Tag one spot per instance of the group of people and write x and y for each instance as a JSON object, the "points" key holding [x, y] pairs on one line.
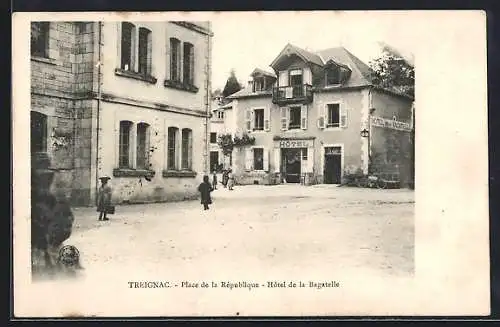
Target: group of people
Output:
{"points": [[206, 187]]}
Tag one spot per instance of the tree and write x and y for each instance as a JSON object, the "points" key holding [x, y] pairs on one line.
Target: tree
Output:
{"points": [[226, 143], [394, 72], [232, 85]]}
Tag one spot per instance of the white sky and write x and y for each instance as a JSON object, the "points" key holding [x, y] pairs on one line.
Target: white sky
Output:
{"points": [[244, 41]]}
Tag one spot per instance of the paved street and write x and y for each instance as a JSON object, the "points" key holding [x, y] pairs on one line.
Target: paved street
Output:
{"points": [[276, 229]]}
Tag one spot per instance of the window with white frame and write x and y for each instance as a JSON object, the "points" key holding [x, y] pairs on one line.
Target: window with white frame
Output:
{"points": [[187, 149], [333, 115], [258, 84], [258, 158], [172, 148], [124, 144], [258, 119], [142, 154], [220, 114], [145, 51], [175, 59], [40, 39]]}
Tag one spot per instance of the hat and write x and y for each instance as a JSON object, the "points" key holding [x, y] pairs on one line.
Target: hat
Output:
{"points": [[105, 178]]}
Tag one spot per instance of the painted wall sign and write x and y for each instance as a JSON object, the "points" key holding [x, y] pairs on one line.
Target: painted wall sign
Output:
{"points": [[295, 144], [329, 151], [391, 123]]}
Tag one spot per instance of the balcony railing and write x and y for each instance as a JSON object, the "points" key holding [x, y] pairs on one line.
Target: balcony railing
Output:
{"points": [[292, 94]]}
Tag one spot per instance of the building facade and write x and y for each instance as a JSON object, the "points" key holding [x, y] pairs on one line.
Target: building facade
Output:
{"points": [[130, 100], [319, 118], [222, 122]]}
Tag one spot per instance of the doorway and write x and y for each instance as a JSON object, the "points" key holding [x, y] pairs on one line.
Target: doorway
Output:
{"points": [[333, 166], [291, 164], [214, 160]]}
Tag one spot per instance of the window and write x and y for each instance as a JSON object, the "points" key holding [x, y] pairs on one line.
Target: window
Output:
{"points": [[175, 59], [186, 148], [127, 46], [213, 137], [220, 114], [333, 115], [295, 116], [40, 39], [38, 132], [258, 159], [258, 84], [145, 49], [142, 146], [171, 148], [124, 144], [188, 64], [332, 75], [258, 120]]}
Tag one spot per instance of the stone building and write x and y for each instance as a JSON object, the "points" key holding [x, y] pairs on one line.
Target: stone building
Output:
{"points": [[221, 122], [319, 118], [126, 99]]}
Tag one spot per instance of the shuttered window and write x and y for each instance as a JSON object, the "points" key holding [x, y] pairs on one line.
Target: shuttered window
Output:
{"points": [[145, 51], [187, 147], [175, 59], [142, 146], [127, 46], [172, 148], [124, 144]]}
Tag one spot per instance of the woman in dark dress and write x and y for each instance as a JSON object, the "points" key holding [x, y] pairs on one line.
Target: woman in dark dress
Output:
{"points": [[104, 198], [205, 189]]}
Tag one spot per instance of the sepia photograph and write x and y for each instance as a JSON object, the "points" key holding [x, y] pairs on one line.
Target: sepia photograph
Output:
{"points": [[265, 158]]}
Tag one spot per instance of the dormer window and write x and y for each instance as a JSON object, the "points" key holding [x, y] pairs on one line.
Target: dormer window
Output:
{"points": [[259, 84], [332, 75]]}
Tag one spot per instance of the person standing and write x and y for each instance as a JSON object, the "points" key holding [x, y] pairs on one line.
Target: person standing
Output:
{"points": [[104, 198], [205, 189], [214, 180], [230, 180], [224, 178]]}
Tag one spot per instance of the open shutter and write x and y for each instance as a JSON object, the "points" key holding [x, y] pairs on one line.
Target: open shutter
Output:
{"points": [[248, 159], [322, 116], [252, 120], [266, 159], [307, 76], [277, 161], [284, 118], [267, 119], [248, 120], [283, 78], [303, 117], [310, 160], [343, 117]]}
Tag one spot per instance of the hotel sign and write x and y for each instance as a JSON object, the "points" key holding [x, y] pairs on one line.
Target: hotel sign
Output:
{"points": [[295, 144], [391, 123]]}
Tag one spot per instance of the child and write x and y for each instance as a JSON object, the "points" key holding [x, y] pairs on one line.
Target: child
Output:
{"points": [[230, 180], [214, 180], [205, 188]]}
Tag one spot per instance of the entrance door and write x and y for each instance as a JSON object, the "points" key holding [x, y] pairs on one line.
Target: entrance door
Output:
{"points": [[333, 168], [291, 164], [214, 159]]}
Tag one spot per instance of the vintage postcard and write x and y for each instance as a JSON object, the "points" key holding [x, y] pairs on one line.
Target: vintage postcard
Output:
{"points": [[250, 164]]}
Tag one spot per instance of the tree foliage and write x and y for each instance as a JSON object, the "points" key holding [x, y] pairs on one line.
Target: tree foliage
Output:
{"points": [[226, 143], [392, 71], [232, 85]]}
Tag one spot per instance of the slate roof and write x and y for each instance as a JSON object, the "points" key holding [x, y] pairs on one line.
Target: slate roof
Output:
{"points": [[262, 72], [360, 75]]}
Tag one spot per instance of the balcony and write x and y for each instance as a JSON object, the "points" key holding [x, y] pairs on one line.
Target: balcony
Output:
{"points": [[292, 94]]}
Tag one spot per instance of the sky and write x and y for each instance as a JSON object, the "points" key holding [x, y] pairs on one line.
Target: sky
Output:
{"points": [[244, 41]]}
